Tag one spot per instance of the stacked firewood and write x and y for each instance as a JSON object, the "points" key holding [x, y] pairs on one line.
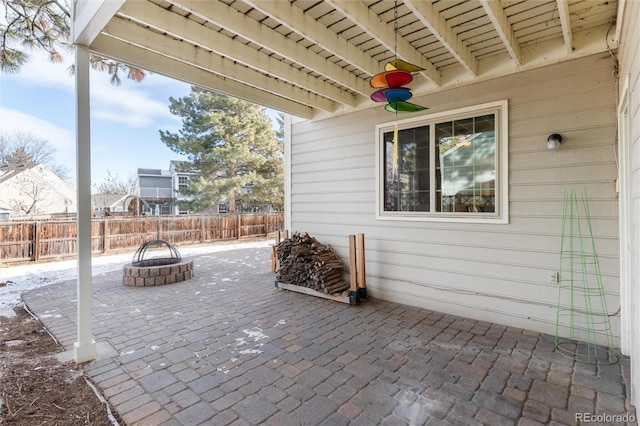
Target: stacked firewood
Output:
{"points": [[305, 262]]}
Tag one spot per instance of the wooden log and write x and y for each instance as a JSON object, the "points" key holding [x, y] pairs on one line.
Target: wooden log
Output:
{"points": [[333, 281], [335, 290], [332, 288]]}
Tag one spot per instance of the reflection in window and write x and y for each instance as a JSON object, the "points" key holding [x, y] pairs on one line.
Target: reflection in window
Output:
{"points": [[407, 181], [466, 165]]}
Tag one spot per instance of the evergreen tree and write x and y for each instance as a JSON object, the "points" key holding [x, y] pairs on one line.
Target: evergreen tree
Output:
{"points": [[232, 147]]}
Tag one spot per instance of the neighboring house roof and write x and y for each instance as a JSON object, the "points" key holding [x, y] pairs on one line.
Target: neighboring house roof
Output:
{"points": [[7, 171], [154, 172], [177, 167], [19, 184], [157, 172], [110, 201]]}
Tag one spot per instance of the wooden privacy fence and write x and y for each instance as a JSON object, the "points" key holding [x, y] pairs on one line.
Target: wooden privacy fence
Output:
{"points": [[36, 240]]}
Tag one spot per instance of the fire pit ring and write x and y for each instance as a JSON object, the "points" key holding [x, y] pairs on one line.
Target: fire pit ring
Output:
{"points": [[170, 253], [167, 267]]}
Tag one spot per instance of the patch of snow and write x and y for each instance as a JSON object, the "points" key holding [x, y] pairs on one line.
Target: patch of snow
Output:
{"points": [[256, 334], [250, 351], [51, 316]]}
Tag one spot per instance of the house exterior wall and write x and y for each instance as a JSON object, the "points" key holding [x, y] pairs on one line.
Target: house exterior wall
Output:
{"points": [[155, 186], [629, 57], [37, 185], [488, 271]]}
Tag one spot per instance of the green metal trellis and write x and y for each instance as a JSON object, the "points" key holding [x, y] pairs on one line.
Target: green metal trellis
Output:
{"points": [[582, 316]]}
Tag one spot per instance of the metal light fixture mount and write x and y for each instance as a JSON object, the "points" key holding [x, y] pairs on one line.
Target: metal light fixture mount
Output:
{"points": [[553, 141]]}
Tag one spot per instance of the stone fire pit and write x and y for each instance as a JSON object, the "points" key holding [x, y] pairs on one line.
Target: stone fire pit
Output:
{"points": [[156, 262]]}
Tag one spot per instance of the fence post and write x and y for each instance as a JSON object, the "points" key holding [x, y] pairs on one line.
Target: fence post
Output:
{"points": [[159, 230], [105, 236], [239, 217], [202, 229], [36, 241]]}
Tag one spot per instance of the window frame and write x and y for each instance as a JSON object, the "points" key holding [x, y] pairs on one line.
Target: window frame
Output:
{"points": [[501, 214], [184, 185]]}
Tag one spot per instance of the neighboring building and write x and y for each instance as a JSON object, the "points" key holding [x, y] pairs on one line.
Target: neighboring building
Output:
{"points": [[5, 213], [105, 204], [160, 189], [180, 181], [155, 188], [34, 191]]}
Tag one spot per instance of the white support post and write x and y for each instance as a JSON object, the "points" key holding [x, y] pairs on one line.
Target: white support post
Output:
{"points": [[85, 347], [287, 171]]}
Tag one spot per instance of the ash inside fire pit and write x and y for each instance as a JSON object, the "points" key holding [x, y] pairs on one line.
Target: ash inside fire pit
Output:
{"points": [[156, 253]]}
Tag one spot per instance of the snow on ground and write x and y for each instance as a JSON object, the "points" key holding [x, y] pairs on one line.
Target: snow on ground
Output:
{"points": [[15, 280]]}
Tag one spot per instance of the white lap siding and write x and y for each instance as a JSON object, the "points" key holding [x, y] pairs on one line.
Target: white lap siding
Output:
{"points": [[492, 272]]}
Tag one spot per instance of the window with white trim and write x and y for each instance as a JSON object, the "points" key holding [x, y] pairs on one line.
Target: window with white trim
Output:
{"points": [[183, 182], [445, 167]]}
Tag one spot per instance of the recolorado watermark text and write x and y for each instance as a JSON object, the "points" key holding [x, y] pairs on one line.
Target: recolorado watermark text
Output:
{"points": [[624, 418]]}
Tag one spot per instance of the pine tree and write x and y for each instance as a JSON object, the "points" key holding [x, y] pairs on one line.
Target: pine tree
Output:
{"points": [[29, 25], [232, 147]]}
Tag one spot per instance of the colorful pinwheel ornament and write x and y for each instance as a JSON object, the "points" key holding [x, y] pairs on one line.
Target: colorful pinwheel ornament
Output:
{"points": [[390, 84]]}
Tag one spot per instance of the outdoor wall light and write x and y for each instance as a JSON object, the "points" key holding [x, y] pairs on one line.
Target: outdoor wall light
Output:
{"points": [[554, 141]]}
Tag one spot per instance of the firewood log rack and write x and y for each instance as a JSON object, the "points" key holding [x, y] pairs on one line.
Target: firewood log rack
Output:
{"points": [[357, 291]]}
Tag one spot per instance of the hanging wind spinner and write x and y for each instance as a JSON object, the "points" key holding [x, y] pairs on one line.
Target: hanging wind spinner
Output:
{"points": [[396, 74], [390, 84]]}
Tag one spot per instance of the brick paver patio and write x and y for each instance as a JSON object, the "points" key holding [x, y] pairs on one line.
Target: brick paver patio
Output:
{"points": [[226, 347]]}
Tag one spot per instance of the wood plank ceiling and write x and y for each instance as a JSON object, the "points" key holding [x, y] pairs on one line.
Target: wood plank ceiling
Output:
{"points": [[314, 58]]}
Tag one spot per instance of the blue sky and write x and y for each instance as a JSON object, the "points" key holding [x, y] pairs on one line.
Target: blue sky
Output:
{"points": [[125, 119]]}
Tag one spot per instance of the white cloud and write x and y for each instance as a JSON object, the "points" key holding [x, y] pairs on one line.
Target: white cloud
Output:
{"points": [[131, 104], [13, 121], [40, 72], [123, 104]]}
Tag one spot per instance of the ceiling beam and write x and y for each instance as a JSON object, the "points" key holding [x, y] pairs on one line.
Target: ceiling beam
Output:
{"points": [[154, 62], [188, 53], [238, 23], [369, 22], [429, 16], [295, 19], [565, 22], [180, 27], [90, 17], [497, 15]]}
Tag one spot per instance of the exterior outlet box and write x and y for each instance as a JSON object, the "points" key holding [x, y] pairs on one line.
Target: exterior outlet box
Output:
{"points": [[553, 277]]}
